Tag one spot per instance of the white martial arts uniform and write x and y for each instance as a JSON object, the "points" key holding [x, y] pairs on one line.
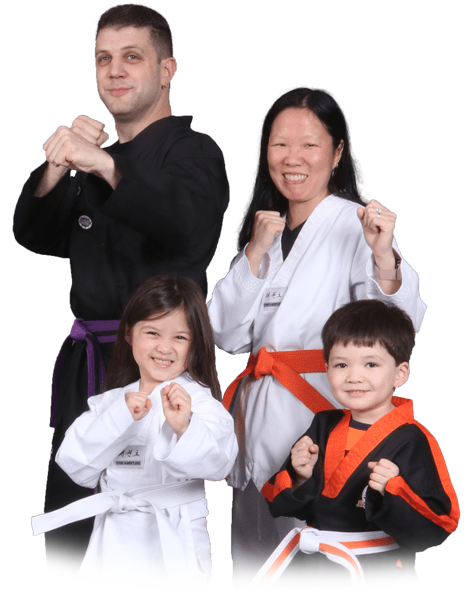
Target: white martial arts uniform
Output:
{"points": [[106, 445], [285, 308]]}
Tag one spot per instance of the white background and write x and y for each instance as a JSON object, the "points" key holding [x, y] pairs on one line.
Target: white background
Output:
{"points": [[22, 556]]}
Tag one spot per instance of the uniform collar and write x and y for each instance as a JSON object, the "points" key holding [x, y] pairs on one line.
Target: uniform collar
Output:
{"points": [[338, 466], [161, 127]]}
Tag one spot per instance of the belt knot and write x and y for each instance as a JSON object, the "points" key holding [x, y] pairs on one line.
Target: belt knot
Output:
{"points": [[125, 504], [264, 364], [309, 543]]}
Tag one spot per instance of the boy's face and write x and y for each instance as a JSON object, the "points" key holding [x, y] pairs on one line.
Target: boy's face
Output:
{"points": [[363, 379]]}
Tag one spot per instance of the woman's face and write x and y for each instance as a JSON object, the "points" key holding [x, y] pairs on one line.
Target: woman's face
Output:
{"points": [[301, 158]]}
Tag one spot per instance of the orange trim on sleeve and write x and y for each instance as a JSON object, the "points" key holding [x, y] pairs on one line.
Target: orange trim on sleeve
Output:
{"points": [[443, 473], [281, 483], [397, 486]]}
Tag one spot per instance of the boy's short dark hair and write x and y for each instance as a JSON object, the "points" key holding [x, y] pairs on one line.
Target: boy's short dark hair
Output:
{"points": [[367, 322], [135, 15]]}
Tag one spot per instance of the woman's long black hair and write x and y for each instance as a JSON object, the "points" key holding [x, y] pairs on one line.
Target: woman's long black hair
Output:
{"points": [[343, 182], [157, 297]]}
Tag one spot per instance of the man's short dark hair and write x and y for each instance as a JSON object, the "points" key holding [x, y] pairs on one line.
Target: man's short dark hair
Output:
{"points": [[369, 322], [135, 15]]}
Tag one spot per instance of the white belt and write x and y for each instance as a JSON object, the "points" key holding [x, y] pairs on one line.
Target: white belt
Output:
{"points": [[339, 547], [153, 499]]}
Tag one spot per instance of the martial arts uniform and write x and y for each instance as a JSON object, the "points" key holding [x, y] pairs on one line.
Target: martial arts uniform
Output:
{"points": [[284, 309], [164, 217], [419, 508], [106, 445]]}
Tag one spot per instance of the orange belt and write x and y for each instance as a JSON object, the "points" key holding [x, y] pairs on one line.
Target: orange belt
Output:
{"points": [[285, 366]]}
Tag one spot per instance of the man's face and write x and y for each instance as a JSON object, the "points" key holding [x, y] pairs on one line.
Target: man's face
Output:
{"points": [[129, 77]]}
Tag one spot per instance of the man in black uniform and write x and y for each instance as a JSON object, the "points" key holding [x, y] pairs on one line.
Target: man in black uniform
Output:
{"points": [[152, 203]]}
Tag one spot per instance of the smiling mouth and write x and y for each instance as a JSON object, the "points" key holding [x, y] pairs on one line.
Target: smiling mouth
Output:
{"points": [[295, 178], [162, 362]]}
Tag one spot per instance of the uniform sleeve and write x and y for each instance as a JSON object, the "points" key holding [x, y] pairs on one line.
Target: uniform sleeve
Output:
{"points": [[277, 491], [206, 450], [42, 225], [235, 304], [406, 298], [419, 508], [282, 501], [96, 438], [187, 193]]}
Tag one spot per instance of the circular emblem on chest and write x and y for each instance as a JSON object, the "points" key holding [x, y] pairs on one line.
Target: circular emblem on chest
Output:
{"points": [[85, 222]]}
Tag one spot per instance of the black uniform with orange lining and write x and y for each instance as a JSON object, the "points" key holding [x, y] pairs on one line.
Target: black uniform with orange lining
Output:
{"points": [[419, 508]]}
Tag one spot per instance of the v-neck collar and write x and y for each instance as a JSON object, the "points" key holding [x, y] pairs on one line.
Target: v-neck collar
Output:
{"points": [[316, 219], [338, 466]]}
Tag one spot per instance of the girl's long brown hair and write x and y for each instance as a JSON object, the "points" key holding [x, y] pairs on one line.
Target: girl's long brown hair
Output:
{"points": [[157, 297]]}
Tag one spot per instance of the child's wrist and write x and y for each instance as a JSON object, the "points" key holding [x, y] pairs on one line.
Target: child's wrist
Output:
{"points": [[298, 481], [183, 430]]}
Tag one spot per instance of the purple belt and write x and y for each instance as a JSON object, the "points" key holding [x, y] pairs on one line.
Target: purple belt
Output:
{"points": [[93, 332]]}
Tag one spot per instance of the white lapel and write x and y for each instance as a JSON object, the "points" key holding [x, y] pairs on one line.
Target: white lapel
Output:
{"points": [[308, 232]]}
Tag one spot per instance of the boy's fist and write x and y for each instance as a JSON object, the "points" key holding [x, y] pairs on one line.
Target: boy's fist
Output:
{"points": [[382, 471], [304, 456]]}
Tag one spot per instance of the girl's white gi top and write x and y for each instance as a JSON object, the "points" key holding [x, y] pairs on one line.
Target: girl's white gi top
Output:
{"points": [[285, 308], [97, 448]]}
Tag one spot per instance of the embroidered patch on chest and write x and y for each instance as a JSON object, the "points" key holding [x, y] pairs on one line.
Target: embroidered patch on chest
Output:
{"points": [[361, 502], [273, 298], [131, 457]]}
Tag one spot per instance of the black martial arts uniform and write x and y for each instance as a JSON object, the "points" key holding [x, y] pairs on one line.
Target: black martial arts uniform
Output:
{"points": [[164, 217], [419, 508]]}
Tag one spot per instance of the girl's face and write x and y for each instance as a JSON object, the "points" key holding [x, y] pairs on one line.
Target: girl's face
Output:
{"points": [[160, 348]]}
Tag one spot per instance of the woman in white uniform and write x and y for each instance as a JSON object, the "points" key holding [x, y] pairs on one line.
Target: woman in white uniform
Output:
{"points": [[307, 246]]}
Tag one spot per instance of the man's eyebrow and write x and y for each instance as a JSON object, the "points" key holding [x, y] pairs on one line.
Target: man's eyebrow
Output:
{"points": [[98, 51]]}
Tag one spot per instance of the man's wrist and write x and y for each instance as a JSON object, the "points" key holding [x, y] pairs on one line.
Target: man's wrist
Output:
{"points": [[51, 176], [108, 170]]}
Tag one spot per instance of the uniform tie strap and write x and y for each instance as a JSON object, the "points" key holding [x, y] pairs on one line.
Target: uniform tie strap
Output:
{"points": [[286, 366], [154, 499], [339, 547], [93, 333]]}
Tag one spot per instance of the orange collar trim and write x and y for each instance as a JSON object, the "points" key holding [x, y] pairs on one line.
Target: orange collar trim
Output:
{"points": [[338, 466]]}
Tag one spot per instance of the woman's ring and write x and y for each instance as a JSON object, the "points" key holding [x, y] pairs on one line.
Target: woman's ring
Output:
{"points": [[378, 211]]}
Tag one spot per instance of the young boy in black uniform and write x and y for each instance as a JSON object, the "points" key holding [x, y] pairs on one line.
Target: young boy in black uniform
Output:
{"points": [[370, 479]]}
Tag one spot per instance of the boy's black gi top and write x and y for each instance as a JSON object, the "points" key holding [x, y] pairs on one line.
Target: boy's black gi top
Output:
{"points": [[419, 508]]}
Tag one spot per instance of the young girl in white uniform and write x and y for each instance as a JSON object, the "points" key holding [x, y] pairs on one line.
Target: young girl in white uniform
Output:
{"points": [[150, 440]]}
